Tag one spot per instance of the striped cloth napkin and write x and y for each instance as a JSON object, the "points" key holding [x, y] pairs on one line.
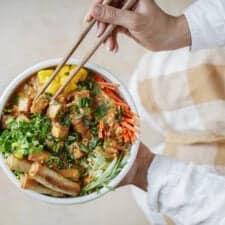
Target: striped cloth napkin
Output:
{"points": [[181, 95]]}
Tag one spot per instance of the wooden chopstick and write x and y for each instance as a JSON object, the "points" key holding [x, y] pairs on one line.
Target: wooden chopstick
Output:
{"points": [[109, 30], [70, 53]]}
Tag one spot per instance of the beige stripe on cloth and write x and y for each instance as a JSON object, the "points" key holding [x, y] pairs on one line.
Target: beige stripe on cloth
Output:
{"points": [[194, 139], [185, 94], [165, 92], [145, 92], [206, 83], [197, 85], [168, 220], [181, 95]]}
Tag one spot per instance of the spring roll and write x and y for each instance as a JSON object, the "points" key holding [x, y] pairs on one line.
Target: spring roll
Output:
{"points": [[18, 164], [72, 173], [53, 180], [29, 183], [39, 157]]}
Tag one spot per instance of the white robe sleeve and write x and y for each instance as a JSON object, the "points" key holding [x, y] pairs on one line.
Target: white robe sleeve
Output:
{"points": [[206, 19], [185, 191]]}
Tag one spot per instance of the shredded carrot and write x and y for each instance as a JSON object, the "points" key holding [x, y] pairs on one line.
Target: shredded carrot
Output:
{"points": [[128, 114], [132, 121], [128, 126], [101, 128], [124, 105], [107, 84], [99, 78], [126, 138]]}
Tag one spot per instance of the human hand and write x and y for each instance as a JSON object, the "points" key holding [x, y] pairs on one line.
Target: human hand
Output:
{"points": [[139, 172], [147, 24]]}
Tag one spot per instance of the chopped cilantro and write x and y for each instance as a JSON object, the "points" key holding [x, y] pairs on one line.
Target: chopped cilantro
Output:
{"points": [[91, 85], [48, 95], [119, 114], [66, 121], [85, 102], [84, 148], [94, 142], [25, 137], [101, 111]]}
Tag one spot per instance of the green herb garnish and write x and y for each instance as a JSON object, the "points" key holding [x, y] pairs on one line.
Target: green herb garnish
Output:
{"points": [[94, 142], [66, 121], [91, 85], [25, 137], [101, 111], [85, 102], [84, 148]]}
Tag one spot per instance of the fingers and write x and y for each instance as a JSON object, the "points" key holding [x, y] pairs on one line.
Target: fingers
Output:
{"points": [[109, 14], [101, 27], [88, 16], [112, 42]]}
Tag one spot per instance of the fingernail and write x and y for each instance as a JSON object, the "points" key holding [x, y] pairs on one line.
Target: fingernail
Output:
{"points": [[97, 10], [108, 49], [98, 32], [87, 18], [115, 50]]}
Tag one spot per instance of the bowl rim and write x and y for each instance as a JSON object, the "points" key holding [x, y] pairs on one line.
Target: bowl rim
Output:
{"points": [[134, 149]]}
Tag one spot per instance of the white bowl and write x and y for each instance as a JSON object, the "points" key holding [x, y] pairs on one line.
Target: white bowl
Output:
{"points": [[124, 93]]}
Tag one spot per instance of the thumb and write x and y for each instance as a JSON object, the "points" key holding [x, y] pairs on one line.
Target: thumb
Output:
{"points": [[109, 14]]}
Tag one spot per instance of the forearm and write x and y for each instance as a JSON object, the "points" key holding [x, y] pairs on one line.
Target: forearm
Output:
{"points": [[167, 32], [180, 35], [138, 174], [140, 179]]}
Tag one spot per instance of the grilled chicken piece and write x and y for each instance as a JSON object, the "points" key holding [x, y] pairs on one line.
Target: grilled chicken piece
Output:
{"points": [[40, 105], [77, 154], [75, 150], [78, 94], [54, 109], [24, 105], [59, 131], [79, 126]]}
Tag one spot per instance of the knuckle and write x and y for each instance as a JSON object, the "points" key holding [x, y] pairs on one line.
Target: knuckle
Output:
{"points": [[110, 13], [136, 23], [102, 13]]}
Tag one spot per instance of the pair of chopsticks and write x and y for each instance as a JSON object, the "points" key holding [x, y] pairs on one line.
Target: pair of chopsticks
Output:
{"points": [[128, 5]]}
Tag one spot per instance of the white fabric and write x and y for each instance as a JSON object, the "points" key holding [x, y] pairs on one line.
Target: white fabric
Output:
{"points": [[206, 19], [188, 194]]}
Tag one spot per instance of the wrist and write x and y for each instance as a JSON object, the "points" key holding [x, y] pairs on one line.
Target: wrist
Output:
{"points": [[179, 33], [143, 162], [139, 171]]}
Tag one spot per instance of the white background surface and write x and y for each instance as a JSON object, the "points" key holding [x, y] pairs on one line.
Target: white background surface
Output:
{"points": [[36, 30]]}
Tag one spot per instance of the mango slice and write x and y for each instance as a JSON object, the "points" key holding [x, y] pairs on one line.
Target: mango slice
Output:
{"points": [[44, 75]]}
